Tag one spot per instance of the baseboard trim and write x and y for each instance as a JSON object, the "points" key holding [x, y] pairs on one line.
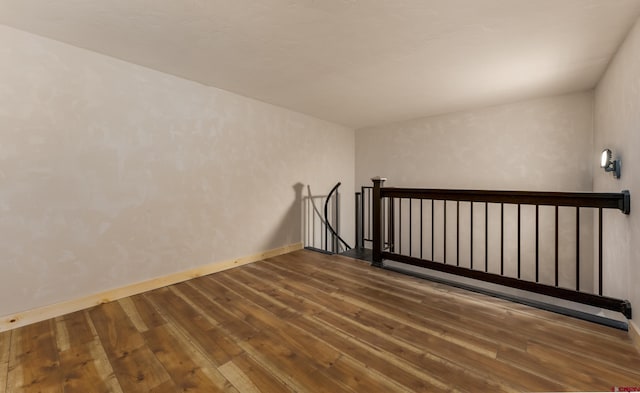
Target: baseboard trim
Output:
{"points": [[55, 310], [634, 333]]}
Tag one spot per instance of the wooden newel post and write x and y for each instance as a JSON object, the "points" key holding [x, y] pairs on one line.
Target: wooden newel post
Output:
{"points": [[377, 220]]}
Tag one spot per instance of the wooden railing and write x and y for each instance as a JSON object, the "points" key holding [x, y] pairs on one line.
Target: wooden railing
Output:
{"points": [[477, 231]]}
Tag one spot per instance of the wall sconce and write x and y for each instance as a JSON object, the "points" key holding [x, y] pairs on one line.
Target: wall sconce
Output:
{"points": [[609, 164]]}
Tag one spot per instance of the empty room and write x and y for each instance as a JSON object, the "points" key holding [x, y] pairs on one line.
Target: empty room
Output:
{"points": [[319, 196]]}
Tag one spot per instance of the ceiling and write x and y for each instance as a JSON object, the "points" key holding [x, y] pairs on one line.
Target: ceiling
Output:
{"points": [[353, 62]]}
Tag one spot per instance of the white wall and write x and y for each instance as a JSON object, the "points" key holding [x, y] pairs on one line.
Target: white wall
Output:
{"points": [[111, 173], [543, 145], [617, 127]]}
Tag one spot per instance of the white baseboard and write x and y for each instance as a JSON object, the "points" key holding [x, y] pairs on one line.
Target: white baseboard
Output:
{"points": [[55, 310], [634, 332]]}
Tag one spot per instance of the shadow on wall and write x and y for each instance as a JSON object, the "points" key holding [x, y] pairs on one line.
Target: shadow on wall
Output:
{"points": [[304, 221], [316, 233], [288, 231]]}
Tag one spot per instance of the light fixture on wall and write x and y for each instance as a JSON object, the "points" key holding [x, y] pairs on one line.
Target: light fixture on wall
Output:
{"points": [[609, 164]]}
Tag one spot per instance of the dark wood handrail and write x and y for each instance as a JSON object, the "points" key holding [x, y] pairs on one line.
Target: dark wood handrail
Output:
{"points": [[577, 200], [605, 200]]}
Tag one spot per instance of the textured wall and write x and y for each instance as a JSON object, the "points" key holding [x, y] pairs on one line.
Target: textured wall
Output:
{"points": [[543, 145], [111, 173], [534, 145], [617, 127]]}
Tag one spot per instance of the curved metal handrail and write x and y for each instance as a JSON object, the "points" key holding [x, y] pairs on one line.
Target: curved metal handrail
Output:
{"points": [[326, 218]]}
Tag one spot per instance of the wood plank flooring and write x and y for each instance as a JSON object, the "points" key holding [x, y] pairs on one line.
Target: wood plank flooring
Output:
{"points": [[308, 322]]}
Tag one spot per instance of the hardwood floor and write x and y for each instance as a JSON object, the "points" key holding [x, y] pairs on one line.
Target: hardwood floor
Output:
{"points": [[307, 322]]}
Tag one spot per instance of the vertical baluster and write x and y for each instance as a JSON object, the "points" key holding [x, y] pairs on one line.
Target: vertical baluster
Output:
{"points": [[362, 236], [471, 238], [313, 226], [329, 219], [432, 228], [444, 256], [518, 240], [457, 233], [421, 222], [370, 202], [537, 243], [385, 224], [377, 222], [501, 239], [326, 237], [392, 225], [337, 221], [357, 223], [329, 239], [399, 225], [577, 248], [486, 236], [410, 226], [384, 217], [307, 242], [327, 233], [600, 251], [556, 256], [385, 228], [320, 229]]}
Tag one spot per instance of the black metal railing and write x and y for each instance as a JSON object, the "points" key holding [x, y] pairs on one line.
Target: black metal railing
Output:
{"points": [[363, 217], [338, 241], [542, 242], [322, 228]]}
